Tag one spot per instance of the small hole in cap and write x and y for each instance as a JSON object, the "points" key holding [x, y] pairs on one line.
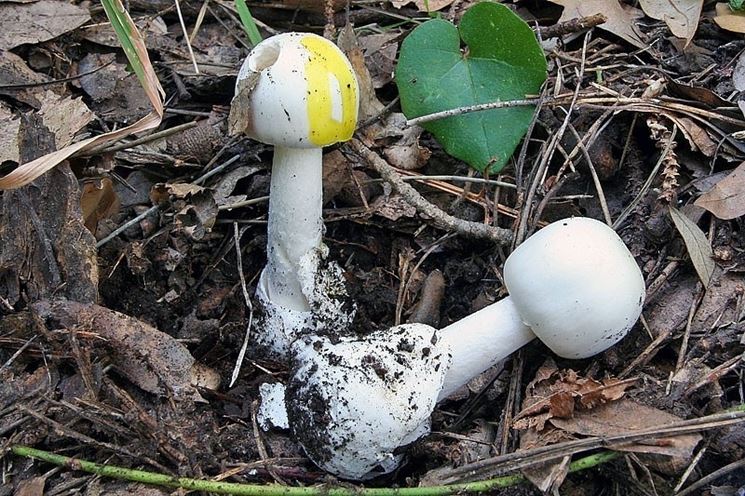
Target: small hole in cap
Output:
{"points": [[263, 56]]}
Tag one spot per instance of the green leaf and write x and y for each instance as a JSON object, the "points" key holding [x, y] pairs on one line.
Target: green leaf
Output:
{"points": [[698, 246], [249, 25], [736, 5], [502, 61]]}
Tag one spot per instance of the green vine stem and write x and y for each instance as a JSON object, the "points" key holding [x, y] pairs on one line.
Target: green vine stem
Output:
{"points": [[277, 490]]}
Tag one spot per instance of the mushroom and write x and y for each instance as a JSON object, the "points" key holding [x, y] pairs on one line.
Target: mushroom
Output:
{"points": [[573, 284], [298, 92], [353, 403]]}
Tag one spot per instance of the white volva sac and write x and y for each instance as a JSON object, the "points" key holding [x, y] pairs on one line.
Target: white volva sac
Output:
{"points": [[352, 404], [297, 91]]}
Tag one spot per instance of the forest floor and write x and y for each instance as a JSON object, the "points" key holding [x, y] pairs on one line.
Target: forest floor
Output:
{"points": [[637, 127]]}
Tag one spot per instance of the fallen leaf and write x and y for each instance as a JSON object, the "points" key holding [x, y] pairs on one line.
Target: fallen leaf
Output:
{"points": [[9, 127], [560, 393], [17, 79], [31, 487], [370, 106], [626, 416], [552, 394], [718, 303], [380, 52], [697, 93], [698, 246], [728, 19], [139, 60], [621, 20], [98, 201], [681, 16], [38, 21], [64, 116], [696, 135], [153, 360], [393, 207], [726, 200], [738, 74]]}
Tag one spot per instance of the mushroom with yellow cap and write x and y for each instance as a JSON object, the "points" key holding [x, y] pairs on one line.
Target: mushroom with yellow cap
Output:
{"points": [[298, 92]]}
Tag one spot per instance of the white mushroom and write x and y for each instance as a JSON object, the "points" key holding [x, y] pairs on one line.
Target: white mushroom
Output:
{"points": [[352, 404], [298, 92], [573, 284]]}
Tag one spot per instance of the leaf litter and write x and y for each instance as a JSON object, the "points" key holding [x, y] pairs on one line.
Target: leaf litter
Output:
{"points": [[100, 340]]}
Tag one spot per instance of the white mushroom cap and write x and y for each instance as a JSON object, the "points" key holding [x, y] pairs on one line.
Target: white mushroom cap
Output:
{"points": [[353, 403], [576, 285], [297, 90]]}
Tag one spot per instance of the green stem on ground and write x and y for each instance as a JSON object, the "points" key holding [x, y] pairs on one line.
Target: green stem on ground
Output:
{"points": [[277, 490]]}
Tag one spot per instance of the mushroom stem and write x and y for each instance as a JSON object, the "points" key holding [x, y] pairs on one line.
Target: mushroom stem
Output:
{"points": [[480, 341], [295, 224]]}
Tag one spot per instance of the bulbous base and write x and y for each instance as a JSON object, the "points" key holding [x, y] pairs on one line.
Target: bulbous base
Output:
{"points": [[331, 310]]}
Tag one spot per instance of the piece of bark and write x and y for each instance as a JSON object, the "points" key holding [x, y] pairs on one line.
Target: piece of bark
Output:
{"points": [[45, 249], [151, 359]]}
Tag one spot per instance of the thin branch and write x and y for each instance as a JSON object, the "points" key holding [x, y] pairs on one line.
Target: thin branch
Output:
{"points": [[441, 219]]}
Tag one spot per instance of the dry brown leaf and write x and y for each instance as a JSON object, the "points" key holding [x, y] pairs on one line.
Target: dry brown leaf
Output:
{"points": [[38, 21], [726, 200], [621, 20], [738, 74], [681, 16], [27, 172], [727, 19], [697, 245], [696, 135], [423, 5], [15, 78], [9, 127], [153, 360], [64, 116], [380, 55], [626, 416], [559, 393], [31, 487], [98, 200], [393, 207], [370, 106]]}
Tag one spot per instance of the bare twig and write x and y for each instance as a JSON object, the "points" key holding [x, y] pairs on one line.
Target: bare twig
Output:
{"points": [[740, 464], [441, 219], [247, 299], [571, 26]]}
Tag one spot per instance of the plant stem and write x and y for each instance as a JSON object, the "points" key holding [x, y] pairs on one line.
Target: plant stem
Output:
{"points": [[278, 490]]}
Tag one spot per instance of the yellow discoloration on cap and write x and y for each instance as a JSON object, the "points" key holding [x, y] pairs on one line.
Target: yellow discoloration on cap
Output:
{"points": [[327, 64]]}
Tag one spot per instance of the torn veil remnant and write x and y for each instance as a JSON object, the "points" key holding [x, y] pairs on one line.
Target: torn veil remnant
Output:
{"points": [[297, 91], [353, 403]]}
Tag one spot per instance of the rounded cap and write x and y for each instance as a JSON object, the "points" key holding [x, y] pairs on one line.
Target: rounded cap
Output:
{"points": [[353, 403], [296, 90], [576, 285]]}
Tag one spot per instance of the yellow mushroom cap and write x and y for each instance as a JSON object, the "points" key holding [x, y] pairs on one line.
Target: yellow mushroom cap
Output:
{"points": [[296, 90]]}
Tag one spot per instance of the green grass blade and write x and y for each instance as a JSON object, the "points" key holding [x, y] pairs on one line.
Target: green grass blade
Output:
{"points": [[248, 22], [116, 15]]}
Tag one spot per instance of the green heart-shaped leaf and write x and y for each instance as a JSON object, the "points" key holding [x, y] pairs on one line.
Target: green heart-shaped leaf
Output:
{"points": [[502, 61]]}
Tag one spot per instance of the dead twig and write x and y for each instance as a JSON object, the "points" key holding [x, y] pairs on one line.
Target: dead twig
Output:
{"points": [[571, 26], [527, 458], [413, 197]]}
